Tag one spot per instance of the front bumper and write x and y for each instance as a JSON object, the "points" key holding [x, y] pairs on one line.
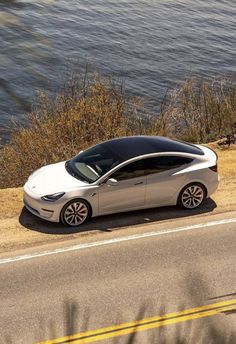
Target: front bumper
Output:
{"points": [[46, 210]]}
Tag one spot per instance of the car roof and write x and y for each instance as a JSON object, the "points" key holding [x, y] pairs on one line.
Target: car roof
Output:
{"points": [[133, 146]]}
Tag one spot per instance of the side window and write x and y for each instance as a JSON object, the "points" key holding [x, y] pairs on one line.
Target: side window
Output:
{"points": [[133, 170], [164, 163]]}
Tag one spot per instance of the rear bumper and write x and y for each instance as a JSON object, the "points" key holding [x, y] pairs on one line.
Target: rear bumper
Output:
{"points": [[213, 185]]}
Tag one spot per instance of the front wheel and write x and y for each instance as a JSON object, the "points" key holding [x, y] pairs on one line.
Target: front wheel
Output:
{"points": [[75, 213], [192, 196]]}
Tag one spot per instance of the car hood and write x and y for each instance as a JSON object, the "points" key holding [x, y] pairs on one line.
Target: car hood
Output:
{"points": [[51, 179]]}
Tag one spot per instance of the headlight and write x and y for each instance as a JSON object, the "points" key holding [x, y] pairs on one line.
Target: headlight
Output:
{"points": [[53, 197]]}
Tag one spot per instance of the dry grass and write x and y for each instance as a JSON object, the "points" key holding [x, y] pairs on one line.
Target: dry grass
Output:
{"points": [[225, 197], [227, 161], [10, 202]]}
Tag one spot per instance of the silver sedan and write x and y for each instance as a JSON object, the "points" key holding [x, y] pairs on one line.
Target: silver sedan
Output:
{"points": [[122, 174]]}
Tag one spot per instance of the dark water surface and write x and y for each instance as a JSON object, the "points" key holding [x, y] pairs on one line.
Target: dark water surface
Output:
{"points": [[154, 43]]}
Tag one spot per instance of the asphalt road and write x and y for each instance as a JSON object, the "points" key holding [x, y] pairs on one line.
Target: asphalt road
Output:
{"points": [[123, 276]]}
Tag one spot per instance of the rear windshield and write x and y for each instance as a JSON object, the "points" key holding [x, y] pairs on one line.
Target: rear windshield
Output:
{"points": [[190, 148]]}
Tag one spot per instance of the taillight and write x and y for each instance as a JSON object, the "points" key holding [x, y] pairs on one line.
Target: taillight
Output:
{"points": [[214, 168]]}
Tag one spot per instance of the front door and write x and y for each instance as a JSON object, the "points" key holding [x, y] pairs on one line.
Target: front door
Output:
{"points": [[127, 193]]}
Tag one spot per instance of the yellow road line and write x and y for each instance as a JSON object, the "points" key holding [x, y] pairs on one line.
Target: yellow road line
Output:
{"points": [[146, 324]]}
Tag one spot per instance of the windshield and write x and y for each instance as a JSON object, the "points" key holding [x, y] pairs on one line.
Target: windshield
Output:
{"points": [[93, 163]]}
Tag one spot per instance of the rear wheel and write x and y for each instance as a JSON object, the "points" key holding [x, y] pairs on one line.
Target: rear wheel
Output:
{"points": [[75, 213], [192, 196]]}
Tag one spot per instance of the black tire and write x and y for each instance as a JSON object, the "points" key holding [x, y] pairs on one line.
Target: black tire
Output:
{"points": [[192, 196], [75, 213]]}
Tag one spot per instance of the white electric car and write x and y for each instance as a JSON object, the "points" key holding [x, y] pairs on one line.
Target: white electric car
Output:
{"points": [[122, 174]]}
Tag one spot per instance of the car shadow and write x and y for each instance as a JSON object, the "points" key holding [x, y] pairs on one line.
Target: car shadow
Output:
{"points": [[110, 222]]}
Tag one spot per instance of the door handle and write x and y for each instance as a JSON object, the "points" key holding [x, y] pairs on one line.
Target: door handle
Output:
{"points": [[139, 183]]}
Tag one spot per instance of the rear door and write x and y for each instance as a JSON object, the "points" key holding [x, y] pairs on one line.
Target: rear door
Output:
{"points": [[162, 181]]}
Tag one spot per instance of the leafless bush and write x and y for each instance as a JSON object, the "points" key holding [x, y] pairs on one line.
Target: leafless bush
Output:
{"points": [[89, 109], [201, 110]]}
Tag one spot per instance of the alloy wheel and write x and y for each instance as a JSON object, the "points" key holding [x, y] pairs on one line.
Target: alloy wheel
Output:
{"points": [[75, 213], [192, 196]]}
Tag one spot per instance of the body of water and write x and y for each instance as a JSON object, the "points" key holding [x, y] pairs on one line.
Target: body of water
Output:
{"points": [[153, 43]]}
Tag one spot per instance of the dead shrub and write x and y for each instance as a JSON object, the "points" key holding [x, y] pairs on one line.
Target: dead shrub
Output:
{"points": [[90, 109], [82, 114], [201, 110]]}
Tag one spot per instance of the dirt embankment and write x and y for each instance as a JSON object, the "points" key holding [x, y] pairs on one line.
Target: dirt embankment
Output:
{"points": [[20, 229]]}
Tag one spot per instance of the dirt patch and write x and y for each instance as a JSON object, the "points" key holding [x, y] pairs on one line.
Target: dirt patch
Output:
{"points": [[225, 197], [20, 229]]}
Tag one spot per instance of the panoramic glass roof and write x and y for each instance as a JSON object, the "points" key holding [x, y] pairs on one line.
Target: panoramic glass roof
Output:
{"points": [[132, 146]]}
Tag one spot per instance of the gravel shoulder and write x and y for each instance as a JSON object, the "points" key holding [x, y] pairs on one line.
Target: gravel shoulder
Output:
{"points": [[19, 229]]}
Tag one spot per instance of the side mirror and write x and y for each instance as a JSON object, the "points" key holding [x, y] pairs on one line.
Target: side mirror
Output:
{"points": [[112, 182]]}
